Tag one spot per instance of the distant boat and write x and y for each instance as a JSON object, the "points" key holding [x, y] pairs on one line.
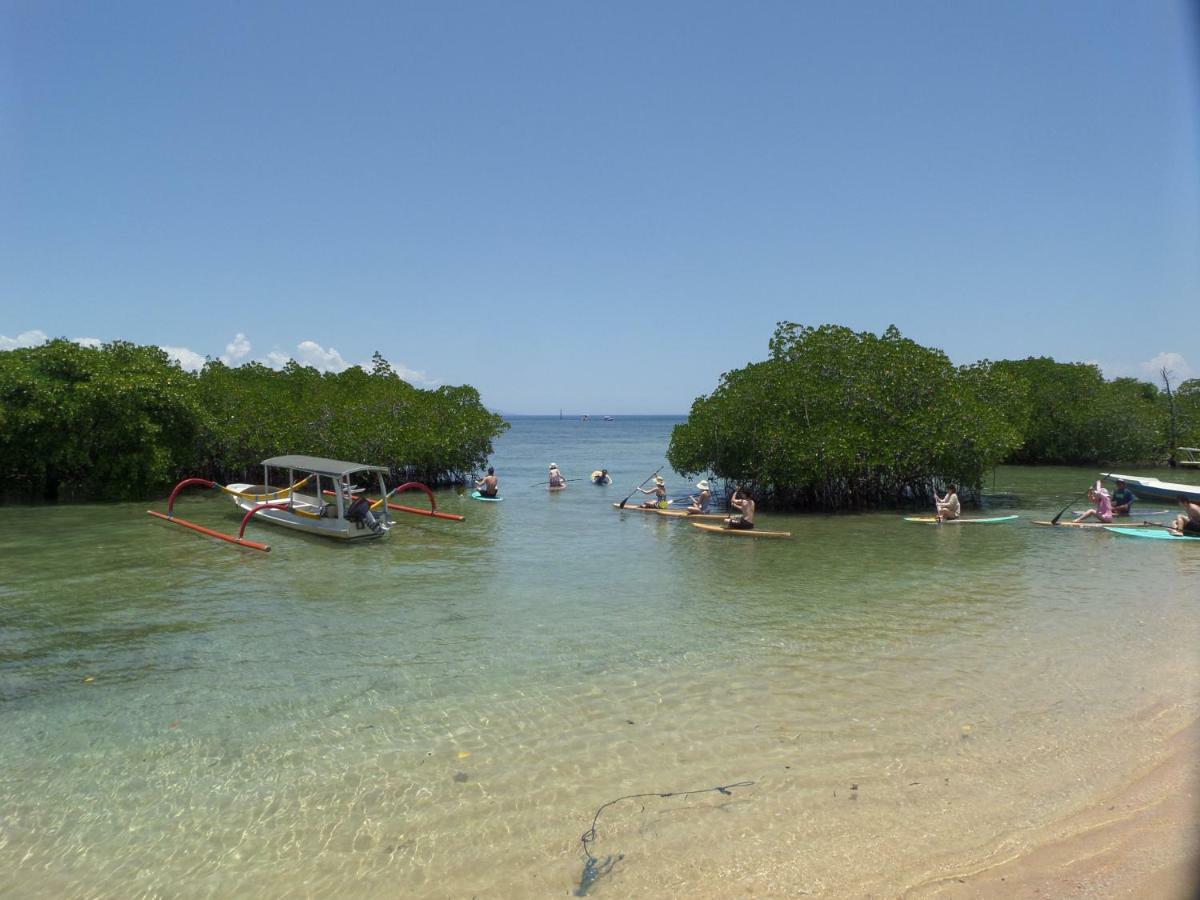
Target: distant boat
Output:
{"points": [[583, 418], [608, 418]]}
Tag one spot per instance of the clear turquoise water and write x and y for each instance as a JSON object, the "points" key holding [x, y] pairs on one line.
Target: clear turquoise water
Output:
{"points": [[441, 713]]}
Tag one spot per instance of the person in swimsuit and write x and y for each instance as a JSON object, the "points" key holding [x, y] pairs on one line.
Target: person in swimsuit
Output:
{"points": [[948, 507], [702, 503], [1187, 522], [744, 504], [556, 478], [489, 484], [1122, 500], [659, 492], [1103, 510]]}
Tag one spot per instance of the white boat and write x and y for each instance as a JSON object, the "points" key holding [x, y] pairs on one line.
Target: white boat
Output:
{"points": [[323, 497], [1146, 488]]}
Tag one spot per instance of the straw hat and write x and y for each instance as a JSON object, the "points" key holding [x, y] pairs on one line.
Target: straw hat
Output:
{"points": [[553, 465], [658, 479], [703, 485]]}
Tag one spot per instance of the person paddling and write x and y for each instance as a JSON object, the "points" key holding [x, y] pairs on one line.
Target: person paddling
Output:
{"points": [[744, 504], [556, 478], [659, 492], [702, 503], [1187, 522], [489, 484], [948, 507], [1103, 510]]}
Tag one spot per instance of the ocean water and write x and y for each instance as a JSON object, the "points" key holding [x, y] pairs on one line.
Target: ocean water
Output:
{"points": [[444, 713]]}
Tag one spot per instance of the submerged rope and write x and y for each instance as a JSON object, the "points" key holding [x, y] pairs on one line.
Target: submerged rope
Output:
{"points": [[595, 868]]}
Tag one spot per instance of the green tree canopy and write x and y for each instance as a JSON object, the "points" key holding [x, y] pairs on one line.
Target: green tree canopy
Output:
{"points": [[837, 419]]}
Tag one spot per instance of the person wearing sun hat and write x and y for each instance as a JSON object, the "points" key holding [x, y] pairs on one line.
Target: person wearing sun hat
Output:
{"points": [[556, 478], [659, 493], [702, 503]]}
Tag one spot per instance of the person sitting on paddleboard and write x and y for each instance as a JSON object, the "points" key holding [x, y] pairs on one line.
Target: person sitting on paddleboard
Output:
{"points": [[1188, 522], [601, 476], [1103, 509], [702, 503], [744, 504], [489, 484], [556, 478], [948, 507], [1122, 500], [660, 494]]}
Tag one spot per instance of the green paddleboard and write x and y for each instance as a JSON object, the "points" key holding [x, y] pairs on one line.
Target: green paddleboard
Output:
{"points": [[1160, 534]]}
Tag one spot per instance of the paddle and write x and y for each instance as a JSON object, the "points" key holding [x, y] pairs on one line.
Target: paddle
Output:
{"points": [[565, 480], [1054, 521], [621, 505]]}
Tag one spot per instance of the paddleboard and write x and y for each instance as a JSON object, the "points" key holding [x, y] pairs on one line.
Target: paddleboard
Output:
{"points": [[675, 513], [1136, 513], [1158, 533], [475, 495], [561, 487], [932, 520], [1072, 524], [747, 532]]}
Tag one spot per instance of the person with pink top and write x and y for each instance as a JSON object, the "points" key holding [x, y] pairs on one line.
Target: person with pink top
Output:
{"points": [[1103, 509]]}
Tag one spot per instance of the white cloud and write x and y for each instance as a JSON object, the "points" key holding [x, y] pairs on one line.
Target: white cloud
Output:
{"points": [[24, 339], [88, 342], [188, 359], [310, 353], [236, 349], [1177, 367]]}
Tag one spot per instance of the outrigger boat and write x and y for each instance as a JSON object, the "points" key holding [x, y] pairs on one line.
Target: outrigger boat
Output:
{"points": [[1146, 488], [326, 497]]}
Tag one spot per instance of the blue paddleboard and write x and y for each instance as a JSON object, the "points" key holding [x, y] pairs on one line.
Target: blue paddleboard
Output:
{"points": [[1159, 533], [475, 495]]}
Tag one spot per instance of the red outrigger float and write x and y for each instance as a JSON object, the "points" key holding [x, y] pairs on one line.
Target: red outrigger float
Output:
{"points": [[326, 497]]}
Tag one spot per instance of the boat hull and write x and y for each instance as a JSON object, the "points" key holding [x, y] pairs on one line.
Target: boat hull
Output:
{"points": [[1147, 488], [312, 523]]}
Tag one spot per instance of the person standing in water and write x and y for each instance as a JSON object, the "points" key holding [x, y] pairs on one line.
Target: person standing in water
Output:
{"points": [[744, 504], [948, 507], [601, 476], [556, 477], [1122, 500], [489, 484]]}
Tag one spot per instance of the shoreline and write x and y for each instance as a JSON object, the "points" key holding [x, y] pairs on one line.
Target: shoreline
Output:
{"points": [[1142, 840]]}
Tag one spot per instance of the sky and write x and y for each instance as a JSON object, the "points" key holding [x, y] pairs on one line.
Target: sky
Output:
{"points": [[601, 208]]}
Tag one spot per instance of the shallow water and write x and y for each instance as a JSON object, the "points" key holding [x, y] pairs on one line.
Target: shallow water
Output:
{"points": [[441, 714]]}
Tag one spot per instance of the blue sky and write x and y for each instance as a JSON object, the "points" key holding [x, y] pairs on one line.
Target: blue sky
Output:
{"points": [[601, 207]]}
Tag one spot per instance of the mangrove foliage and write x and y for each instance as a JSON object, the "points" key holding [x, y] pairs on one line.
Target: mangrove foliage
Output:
{"points": [[125, 421], [836, 419]]}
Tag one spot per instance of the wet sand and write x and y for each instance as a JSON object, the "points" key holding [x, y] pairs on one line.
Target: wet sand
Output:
{"points": [[1143, 841]]}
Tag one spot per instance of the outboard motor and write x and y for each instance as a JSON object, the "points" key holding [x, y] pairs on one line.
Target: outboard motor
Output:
{"points": [[360, 514]]}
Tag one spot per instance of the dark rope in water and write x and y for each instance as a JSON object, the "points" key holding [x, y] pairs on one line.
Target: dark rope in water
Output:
{"points": [[595, 868]]}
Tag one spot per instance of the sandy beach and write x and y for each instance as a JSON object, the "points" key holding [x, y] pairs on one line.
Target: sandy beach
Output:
{"points": [[1142, 841]]}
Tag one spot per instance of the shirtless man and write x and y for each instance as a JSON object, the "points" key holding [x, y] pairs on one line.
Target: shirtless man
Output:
{"points": [[1187, 522], [744, 504], [489, 484]]}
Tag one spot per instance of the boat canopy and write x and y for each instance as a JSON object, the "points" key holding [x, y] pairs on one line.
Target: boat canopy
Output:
{"points": [[321, 466]]}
